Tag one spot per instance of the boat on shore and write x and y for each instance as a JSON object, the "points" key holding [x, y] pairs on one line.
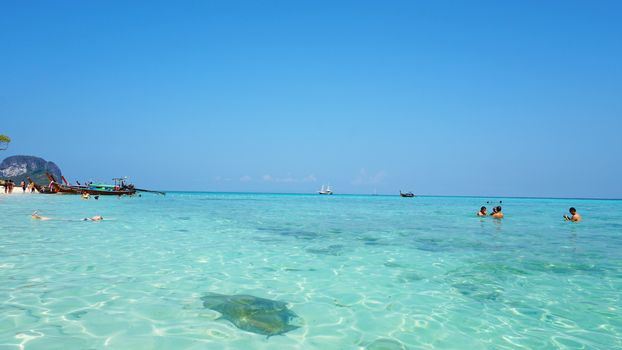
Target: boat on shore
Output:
{"points": [[326, 190], [406, 194], [120, 188]]}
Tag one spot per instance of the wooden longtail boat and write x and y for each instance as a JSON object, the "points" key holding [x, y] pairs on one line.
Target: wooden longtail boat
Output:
{"points": [[120, 188], [41, 189]]}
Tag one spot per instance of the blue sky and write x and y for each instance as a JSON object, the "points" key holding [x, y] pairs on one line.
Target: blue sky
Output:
{"points": [[508, 98]]}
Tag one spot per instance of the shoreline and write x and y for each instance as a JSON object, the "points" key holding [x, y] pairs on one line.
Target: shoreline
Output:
{"points": [[17, 191]]}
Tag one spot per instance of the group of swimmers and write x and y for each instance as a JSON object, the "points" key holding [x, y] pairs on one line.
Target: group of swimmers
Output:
{"points": [[483, 211], [497, 214]]}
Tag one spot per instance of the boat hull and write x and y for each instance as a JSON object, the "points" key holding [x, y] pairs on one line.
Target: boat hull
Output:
{"points": [[93, 192], [110, 193]]}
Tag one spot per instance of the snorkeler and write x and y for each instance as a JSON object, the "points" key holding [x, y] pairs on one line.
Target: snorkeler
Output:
{"points": [[482, 212], [575, 217], [94, 218], [496, 212]]}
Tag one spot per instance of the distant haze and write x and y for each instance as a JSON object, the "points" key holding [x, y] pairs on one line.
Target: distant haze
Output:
{"points": [[507, 98]]}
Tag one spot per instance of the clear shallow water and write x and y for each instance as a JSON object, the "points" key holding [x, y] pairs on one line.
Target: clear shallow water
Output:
{"points": [[421, 273]]}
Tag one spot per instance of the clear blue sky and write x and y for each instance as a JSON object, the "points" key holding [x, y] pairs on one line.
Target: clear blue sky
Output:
{"points": [[438, 97]]}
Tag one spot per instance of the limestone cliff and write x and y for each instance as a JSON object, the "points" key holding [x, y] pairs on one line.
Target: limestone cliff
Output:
{"points": [[17, 168]]}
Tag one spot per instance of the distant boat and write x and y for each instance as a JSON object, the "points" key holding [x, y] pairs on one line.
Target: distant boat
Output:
{"points": [[326, 190], [407, 194]]}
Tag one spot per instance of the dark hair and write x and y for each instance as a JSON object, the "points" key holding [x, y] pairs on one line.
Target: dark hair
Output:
{"points": [[482, 208], [572, 209], [498, 208]]}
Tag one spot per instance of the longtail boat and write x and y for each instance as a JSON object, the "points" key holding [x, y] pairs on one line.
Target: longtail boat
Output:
{"points": [[56, 187], [120, 188], [41, 189]]}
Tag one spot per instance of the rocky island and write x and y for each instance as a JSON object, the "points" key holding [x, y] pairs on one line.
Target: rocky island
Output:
{"points": [[18, 168]]}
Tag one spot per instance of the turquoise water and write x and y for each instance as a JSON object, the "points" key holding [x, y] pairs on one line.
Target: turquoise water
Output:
{"points": [[361, 272]]}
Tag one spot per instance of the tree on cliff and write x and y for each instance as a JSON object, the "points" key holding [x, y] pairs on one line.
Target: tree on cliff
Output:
{"points": [[4, 142]]}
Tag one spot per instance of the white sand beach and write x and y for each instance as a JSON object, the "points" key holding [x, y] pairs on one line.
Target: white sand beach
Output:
{"points": [[17, 191]]}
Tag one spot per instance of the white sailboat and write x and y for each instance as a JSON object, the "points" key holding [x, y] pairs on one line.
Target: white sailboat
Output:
{"points": [[326, 190]]}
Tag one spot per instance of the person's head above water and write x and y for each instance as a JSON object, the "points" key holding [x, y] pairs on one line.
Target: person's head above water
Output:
{"points": [[482, 211], [574, 216], [496, 212]]}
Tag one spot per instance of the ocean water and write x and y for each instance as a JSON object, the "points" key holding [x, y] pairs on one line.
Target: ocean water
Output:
{"points": [[361, 272]]}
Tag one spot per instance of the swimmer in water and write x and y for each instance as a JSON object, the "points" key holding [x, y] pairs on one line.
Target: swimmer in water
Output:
{"points": [[575, 217], [496, 213], [36, 216], [482, 212]]}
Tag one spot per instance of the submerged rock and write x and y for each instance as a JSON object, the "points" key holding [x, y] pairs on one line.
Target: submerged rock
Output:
{"points": [[335, 250], [253, 314], [385, 344]]}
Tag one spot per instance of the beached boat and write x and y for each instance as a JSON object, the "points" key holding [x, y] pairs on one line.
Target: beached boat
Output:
{"points": [[110, 190], [120, 188], [407, 194], [56, 187], [326, 190]]}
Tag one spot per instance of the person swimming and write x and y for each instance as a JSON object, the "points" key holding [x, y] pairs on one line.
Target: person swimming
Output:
{"points": [[482, 212], [496, 212], [575, 217], [35, 216]]}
